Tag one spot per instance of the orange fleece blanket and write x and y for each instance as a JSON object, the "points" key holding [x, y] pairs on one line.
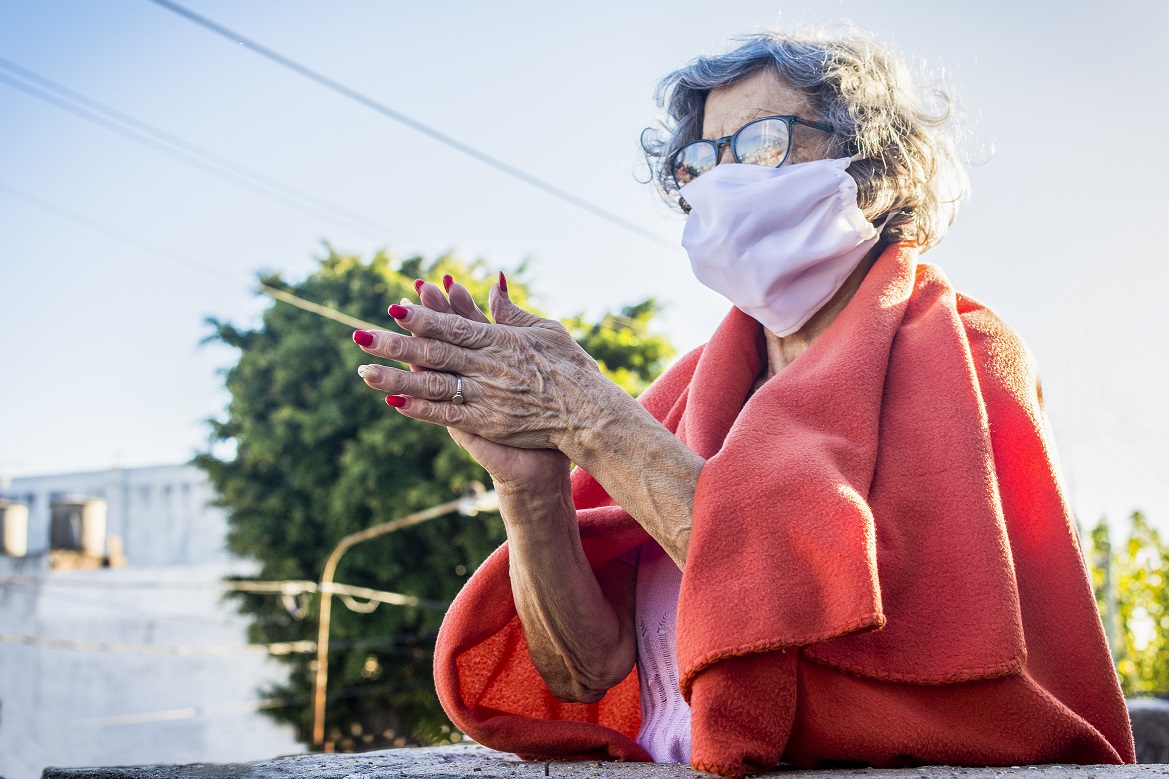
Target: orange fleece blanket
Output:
{"points": [[882, 568]]}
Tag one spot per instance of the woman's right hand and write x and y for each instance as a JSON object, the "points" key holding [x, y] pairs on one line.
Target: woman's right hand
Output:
{"points": [[579, 631], [514, 470]]}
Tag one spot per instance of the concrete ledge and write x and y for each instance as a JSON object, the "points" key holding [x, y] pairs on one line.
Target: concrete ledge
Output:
{"points": [[470, 761]]}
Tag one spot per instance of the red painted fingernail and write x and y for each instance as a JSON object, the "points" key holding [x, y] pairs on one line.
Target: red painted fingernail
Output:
{"points": [[418, 286], [447, 281], [397, 401], [502, 283], [363, 338], [399, 312]]}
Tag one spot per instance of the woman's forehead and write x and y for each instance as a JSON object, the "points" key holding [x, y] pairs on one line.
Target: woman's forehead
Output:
{"points": [[759, 94]]}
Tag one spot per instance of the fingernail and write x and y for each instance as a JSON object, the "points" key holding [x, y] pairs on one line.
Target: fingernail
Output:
{"points": [[502, 283], [418, 286], [399, 312], [369, 372], [363, 338], [447, 281], [397, 401]]}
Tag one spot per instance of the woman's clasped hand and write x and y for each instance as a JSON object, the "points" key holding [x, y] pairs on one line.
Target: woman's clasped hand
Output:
{"points": [[524, 382]]}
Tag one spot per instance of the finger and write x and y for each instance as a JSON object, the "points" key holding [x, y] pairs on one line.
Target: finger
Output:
{"points": [[450, 328], [505, 312], [432, 385], [407, 302], [432, 297], [425, 352], [440, 413], [464, 305]]}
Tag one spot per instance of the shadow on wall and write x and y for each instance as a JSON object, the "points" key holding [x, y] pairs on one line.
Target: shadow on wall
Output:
{"points": [[1150, 729]]}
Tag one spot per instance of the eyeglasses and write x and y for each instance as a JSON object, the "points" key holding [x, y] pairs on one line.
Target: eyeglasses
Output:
{"points": [[766, 141]]}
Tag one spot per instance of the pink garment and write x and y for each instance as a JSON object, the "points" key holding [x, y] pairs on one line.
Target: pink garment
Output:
{"points": [[665, 715]]}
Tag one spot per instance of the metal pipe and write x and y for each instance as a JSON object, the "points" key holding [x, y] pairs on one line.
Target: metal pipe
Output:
{"points": [[469, 505]]}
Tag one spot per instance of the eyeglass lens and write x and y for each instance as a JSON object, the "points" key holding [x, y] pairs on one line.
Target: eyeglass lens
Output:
{"points": [[692, 161], [762, 142]]}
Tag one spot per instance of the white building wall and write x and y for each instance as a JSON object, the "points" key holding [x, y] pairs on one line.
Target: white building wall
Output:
{"points": [[73, 707], [163, 514]]}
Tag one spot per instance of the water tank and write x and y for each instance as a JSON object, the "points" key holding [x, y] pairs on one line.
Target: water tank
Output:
{"points": [[78, 525], [13, 528]]}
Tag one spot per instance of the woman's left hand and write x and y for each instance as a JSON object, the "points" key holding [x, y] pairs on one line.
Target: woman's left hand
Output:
{"points": [[525, 382]]}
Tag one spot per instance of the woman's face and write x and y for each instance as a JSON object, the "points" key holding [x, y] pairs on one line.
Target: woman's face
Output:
{"points": [[762, 94]]}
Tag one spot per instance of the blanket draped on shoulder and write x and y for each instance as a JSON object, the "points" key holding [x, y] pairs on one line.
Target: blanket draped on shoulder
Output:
{"points": [[882, 567]]}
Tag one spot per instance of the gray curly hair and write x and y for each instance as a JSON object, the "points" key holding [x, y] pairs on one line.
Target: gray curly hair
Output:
{"points": [[909, 167]]}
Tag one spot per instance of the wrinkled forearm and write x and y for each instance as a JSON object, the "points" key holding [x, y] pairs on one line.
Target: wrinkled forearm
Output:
{"points": [[641, 464], [580, 637]]}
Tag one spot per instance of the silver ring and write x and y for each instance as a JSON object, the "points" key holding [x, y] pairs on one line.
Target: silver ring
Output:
{"points": [[457, 398]]}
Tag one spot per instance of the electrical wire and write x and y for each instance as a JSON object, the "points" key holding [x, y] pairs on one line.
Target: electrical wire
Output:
{"points": [[414, 124], [346, 592], [272, 292], [193, 712], [276, 648], [188, 712], [186, 152], [129, 610], [187, 262]]}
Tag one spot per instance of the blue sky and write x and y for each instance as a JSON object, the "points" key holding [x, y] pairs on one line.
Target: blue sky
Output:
{"points": [[99, 339]]}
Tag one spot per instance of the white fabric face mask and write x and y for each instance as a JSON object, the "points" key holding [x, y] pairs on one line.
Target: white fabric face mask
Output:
{"points": [[776, 242]]}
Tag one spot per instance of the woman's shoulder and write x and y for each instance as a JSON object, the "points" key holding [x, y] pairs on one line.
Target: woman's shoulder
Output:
{"points": [[1001, 357], [985, 329]]}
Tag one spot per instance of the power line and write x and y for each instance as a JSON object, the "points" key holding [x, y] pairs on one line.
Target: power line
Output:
{"points": [[347, 592], [416, 125], [93, 224], [147, 135], [277, 648], [194, 712], [188, 712], [272, 292], [187, 262]]}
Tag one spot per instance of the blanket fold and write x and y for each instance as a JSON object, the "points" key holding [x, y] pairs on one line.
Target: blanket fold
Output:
{"points": [[885, 509]]}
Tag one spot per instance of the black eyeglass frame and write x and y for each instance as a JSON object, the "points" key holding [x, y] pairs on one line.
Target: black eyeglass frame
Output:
{"points": [[729, 140]]}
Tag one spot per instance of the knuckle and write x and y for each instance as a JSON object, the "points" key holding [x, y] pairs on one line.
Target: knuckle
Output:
{"points": [[460, 329], [394, 347], [433, 353], [448, 414], [435, 384], [389, 380]]}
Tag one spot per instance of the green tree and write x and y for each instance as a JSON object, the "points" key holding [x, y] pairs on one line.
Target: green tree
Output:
{"points": [[1132, 591], [317, 455]]}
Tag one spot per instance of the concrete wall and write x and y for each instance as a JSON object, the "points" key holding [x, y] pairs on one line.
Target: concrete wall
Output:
{"points": [[88, 706], [161, 513]]}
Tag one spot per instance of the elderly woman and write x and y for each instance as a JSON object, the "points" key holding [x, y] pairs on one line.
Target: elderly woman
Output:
{"points": [[834, 534]]}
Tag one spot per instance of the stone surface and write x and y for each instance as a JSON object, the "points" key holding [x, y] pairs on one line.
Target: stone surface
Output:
{"points": [[469, 761]]}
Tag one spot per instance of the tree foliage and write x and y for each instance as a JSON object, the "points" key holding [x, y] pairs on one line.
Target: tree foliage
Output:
{"points": [[318, 455], [1132, 591]]}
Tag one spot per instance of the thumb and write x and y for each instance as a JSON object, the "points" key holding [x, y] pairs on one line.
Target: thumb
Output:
{"points": [[505, 312], [461, 437]]}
